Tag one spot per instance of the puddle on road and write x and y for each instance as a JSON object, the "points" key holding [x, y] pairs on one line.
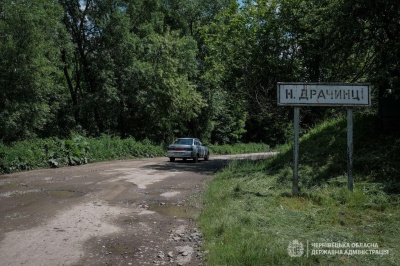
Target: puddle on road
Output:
{"points": [[117, 249], [170, 194], [11, 186], [184, 212], [64, 193], [131, 220]]}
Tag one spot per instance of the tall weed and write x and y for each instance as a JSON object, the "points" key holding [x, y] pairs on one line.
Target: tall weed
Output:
{"points": [[54, 152]]}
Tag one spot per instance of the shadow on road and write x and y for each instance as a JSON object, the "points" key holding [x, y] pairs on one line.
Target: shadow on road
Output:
{"points": [[203, 167], [211, 166]]}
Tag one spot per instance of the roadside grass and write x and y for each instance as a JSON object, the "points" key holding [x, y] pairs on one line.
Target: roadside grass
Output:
{"points": [[239, 148], [250, 217], [54, 152]]}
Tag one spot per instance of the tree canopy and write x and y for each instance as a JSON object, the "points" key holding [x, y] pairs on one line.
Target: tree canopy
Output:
{"points": [[158, 69]]}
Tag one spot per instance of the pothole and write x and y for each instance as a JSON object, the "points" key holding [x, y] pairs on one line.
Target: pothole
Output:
{"points": [[130, 220], [53, 193], [169, 194], [64, 193], [20, 193], [117, 249]]}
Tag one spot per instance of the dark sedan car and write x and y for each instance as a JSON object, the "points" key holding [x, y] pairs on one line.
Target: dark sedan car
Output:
{"points": [[185, 148]]}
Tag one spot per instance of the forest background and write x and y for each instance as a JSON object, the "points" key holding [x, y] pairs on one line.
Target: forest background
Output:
{"points": [[158, 69]]}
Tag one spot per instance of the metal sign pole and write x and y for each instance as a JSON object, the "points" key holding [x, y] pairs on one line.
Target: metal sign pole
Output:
{"points": [[298, 94], [295, 188], [350, 180]]}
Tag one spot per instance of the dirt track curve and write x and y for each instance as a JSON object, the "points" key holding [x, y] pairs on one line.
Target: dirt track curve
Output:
{"points": [[133, 212]]}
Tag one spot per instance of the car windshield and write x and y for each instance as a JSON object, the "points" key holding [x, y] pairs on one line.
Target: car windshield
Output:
{"points": [[184, 141]]}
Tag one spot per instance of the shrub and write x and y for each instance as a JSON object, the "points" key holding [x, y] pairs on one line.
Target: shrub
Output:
{"points": [[54, 152]]}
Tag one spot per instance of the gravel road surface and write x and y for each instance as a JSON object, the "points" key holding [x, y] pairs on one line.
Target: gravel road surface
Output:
{"points": [[131, 212]]}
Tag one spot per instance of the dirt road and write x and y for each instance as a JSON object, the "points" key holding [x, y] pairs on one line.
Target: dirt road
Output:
{"points": [[133, 212]]}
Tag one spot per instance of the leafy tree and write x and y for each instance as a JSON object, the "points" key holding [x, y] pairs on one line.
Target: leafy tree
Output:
{"points": [[80, 72], [135, 69], [160, 68], [165, 95], [373, 24], [250, 49], [189, 17], [248, 52], [30, 88]]}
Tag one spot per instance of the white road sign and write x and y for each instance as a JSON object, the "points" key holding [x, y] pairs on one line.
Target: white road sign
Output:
{"points": [[324, 94]]}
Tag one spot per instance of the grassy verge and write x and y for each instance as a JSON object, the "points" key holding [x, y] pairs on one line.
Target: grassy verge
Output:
{"points": [[54, 152], [44, 153], [239, 148], [250, 218]]}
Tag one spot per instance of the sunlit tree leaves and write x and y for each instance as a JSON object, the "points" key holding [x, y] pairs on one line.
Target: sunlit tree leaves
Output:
{"points": [[30, 80]]}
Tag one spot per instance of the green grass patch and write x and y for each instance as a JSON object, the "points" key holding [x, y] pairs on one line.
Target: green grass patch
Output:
{"points": [[44, 153], [250, 217], [239, 148]]}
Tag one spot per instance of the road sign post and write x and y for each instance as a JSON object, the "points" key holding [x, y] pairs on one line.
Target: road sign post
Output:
{"points": [[295, 187], [323, 94], [350, 180]]}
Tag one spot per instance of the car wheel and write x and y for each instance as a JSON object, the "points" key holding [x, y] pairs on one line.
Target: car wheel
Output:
{"points": [[172, 159], [207, 157], [196, 158]]}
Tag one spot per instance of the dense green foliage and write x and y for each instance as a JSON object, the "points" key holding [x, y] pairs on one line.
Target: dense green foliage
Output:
{"points": [[250, 217], [265, 42], [44, 153], [158, 69]]}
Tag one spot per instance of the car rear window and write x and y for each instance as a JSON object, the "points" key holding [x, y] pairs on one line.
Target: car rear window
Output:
{"points": [[184, 141]]}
